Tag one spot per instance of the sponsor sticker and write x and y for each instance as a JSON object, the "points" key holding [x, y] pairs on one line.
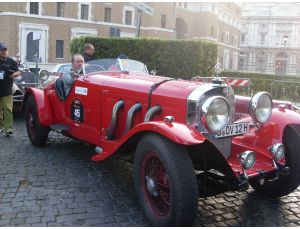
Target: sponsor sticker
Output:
{"points": [[81, 90]]}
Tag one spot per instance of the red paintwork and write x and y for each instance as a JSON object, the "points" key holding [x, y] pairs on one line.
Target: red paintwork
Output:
{"points": [[106, 89], [260, 139], [44, 109]]}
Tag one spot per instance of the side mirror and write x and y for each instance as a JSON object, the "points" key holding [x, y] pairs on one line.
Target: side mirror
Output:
{"points": [[44, 75], [153, 72]]}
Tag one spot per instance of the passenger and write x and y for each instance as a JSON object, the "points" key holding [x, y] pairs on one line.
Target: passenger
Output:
{"points": [[88, 52]]}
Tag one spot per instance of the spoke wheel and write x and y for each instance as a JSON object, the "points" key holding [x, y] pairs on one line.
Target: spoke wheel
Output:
{"points": [[156, 185], [31, 121], [37, 133], [165, 182]]}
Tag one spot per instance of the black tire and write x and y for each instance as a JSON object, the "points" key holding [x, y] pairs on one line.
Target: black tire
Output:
{"points": [[37, 133], [287, 184], [174, 203]]}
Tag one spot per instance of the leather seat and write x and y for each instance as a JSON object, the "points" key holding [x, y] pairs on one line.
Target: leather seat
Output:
{"points": [[60, 89]]}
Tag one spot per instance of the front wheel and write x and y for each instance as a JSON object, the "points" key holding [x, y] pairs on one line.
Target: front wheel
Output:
{"points": [[165, 182], [286, 184], [37, 133]]}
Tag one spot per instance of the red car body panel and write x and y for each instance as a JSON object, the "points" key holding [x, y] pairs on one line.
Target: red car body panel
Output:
{"points": [[43, 105]]}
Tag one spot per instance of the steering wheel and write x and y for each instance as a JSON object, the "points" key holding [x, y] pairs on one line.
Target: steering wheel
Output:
{"points": [[113, 67], [94, 68]]}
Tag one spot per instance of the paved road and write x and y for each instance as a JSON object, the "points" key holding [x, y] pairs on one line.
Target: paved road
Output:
{"points": [[59, 186]]}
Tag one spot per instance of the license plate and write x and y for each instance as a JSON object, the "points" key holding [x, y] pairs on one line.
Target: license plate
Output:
{"points": [[234, 129]]}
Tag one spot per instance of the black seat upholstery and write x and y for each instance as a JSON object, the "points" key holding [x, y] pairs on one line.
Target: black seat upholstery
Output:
{"points": [[60, 89]]}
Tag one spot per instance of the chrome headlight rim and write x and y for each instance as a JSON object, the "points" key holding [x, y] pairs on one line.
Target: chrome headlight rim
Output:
{"points": [[278, 151], [253, 107], [205, 112], [245, 157]]}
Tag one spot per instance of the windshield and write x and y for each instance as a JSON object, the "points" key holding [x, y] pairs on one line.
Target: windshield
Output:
{"points": [[115, 65]]}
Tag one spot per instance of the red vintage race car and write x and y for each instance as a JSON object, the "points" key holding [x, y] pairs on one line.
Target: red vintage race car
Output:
{"points": [[182, 136]]}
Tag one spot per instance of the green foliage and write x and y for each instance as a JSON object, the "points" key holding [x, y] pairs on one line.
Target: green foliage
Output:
{"points": [[172, 58]]}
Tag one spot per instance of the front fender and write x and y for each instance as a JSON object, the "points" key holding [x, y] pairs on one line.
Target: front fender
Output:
{"points": [[271, 132], [43, 106], [176, 132]]}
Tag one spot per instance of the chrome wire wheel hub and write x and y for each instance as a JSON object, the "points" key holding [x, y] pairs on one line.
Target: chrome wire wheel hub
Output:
{"points": [[151, 186], [31, 120]]}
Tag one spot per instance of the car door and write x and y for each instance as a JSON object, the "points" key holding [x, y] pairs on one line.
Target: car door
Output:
{"points": [[82, 107]]}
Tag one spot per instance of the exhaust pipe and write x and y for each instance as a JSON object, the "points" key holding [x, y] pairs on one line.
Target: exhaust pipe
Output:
{"points": [[130, 115], [114, 119], [151, 112]]}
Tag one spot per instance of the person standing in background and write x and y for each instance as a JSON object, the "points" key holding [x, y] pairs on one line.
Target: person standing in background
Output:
{"points": [[88, 52], [8, 70]]}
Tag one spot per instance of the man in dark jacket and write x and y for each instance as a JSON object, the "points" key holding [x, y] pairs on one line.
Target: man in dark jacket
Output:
{"points": [[88, 52], [8, 70]]}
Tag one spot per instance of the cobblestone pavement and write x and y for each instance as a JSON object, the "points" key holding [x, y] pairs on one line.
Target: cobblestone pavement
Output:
{"points": [[59, 185]]}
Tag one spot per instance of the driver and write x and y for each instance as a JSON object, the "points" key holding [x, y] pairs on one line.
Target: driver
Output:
{"points": [[69, 78]]}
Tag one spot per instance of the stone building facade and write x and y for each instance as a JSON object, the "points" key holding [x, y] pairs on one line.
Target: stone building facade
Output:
{"points": [[270, 40], [217, 22], [48, 27]]}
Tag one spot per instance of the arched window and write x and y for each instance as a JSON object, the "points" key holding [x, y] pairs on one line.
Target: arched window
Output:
{"points": [[32, 48]]}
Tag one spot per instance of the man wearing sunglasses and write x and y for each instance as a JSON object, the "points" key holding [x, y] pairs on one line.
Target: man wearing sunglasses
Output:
{"points": [[8, 70]]}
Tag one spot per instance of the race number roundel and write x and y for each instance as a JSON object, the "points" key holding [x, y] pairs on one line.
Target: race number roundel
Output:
{"points": [[77, 112]]}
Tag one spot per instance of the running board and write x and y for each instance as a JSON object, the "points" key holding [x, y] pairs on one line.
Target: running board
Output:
{"points": [[60, 127]]}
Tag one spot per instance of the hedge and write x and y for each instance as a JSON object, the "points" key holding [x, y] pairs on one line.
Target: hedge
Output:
{"points": [[173, 58]]}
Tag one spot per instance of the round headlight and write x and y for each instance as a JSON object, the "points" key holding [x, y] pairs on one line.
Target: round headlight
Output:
{"points": [[247, 159], [277, 151], [215, 113], [260, 107]]}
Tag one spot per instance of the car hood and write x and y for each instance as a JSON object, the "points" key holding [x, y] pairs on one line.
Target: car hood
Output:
{"points": [[175, 88]]}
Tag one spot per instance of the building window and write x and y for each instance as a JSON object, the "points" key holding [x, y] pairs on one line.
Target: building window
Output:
{"points": [[185, 5], [32, 50], [222, 38], [262, 39], [128, 17], [236, 40], [226, 59], [107, 14], [84, 12], [243, 36], [59, 49], [227, 38], [232, 40], [163, 21], [212, 31], [60, 9], [34, 8], [221, 60], [114, 32]]}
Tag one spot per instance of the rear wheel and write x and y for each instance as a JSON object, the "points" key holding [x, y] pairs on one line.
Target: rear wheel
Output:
{"points": [[286, 184], [165, 182], [37, 133]]}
